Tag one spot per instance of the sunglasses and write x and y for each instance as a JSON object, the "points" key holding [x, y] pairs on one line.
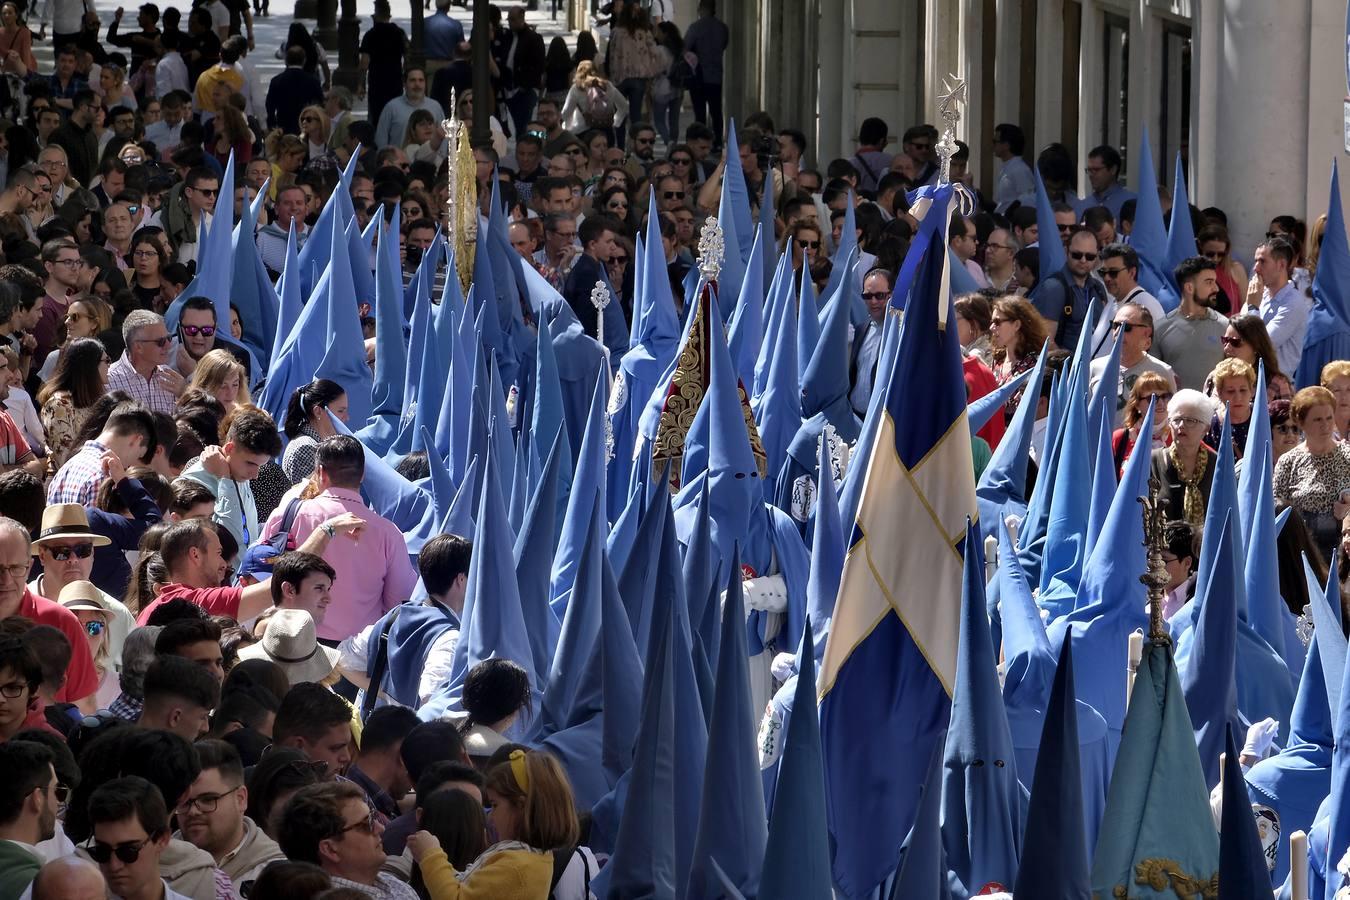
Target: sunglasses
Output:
{"points": [[128, 853], [1231, 341], [805, 244], [681, 161], [203, 330], [1126, 327], [1161, 398], [876, 295], [158, 342], [1285, 429], [618, 260], [1089, 257], [1111, 273], [94, 628], [673, 195], [210, 192], [61, 554]]}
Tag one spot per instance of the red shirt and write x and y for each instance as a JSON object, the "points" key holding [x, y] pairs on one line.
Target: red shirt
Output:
{"points": [[81, 679], [218, 601], [981, 381]]}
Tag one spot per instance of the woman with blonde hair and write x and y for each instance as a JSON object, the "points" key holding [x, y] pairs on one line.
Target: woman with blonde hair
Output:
{"points": [[1146, 387], [1234, 385], [219, 374], [593, 102], [87, 316], [532, 811], [315, 128], [288, 153], [1336, 378]]}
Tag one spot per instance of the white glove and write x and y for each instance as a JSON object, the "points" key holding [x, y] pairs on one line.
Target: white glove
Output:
{"points": [[1260, 737], [784, 666]]}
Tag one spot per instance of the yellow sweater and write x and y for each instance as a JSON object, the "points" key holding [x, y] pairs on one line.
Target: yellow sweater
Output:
{"points": [[507, 871]]}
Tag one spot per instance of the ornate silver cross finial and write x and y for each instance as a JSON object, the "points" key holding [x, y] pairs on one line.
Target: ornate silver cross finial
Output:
{"points": [[710, 249], [949, 108], [600, 298]]}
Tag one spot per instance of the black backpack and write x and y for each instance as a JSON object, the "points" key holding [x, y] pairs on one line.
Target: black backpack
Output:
{"points": [[561, 860]]}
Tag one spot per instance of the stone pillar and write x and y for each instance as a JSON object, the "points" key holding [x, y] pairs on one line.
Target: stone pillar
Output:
{"points": [[306, 9], [1049, 52], [325, 31], [349, 41], [834, 81], [481, 133], [1258, 166]]}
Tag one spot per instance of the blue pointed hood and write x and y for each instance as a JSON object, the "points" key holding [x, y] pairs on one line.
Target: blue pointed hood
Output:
{"points": [[780, 306], [1208, 679], [702, 589], [808, 322], [778, 405], [1181, 244], [1328, 335], [981, 796], [493, 622], [344, 359], [655, 323], [590, 478], [637, 574], [746, 332], [579, 631], [1070, 503], [1053, 257], [733, 215], [923, 868], [1001, 489], [1339, 798], [499, 430], [443, 493], [454, 423], [251, 290], [1107, 390], [459, 518], [1242, 861], [735, 487], [981, 411], [318, 247], [1328, 626], [1149, 236], [1103, 484], [534, 545], [358, 254], [547, 420], [1266, 611], [288, 296], [1054, 859], [825, 385], [731, 830], [827, 550], [768, 214], [391, 350], [797, 855], [421, 353]]}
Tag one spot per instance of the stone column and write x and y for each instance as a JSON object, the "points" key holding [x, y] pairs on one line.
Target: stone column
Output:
{"points": [[349, 41]]}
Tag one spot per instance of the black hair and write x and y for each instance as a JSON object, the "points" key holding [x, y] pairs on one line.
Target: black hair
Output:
{"points": [[439, 774], [23, 498], [1181, 540], [1097, 216], [27, 767], [456, 820], [182, 679], [429, 743], [53, 651], [1123, 252], [443, 559], [1187, 269], [183, 632], [293, 568], [493, 690], [415, 466], [595, 226], [281, 771], [163, 758], [288, 879], [343, 459], [1109, 156], [307, 711], [220, 755], [127, 797], [386, 727], [1013, 136], [1281, 247], [178, 608]]}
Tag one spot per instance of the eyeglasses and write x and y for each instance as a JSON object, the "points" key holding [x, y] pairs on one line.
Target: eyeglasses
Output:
{"points": [[1110, 273], [367, 825], [990, 245], [1126, 327], [1184, 421], [61, 554], [68, 263], [75, 317], [570, 235], [876, 295], [805, 244], [1231, 341], [145, 254], [996, 321], [1161, 398], [158, 342], [94, 627], [203, 330], [13, 690], [673, 195], [206, 803], [1286, 428], [18, 571], [128, 853]]}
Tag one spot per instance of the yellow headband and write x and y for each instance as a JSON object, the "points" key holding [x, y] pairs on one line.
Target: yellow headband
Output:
{"points": [[519, 771]]}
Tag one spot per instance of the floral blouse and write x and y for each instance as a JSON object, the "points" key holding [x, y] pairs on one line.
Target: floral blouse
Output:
{"points": [[62, 422]]}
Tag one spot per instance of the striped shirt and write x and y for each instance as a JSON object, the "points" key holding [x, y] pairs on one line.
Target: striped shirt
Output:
{"points": [[149, 392]]}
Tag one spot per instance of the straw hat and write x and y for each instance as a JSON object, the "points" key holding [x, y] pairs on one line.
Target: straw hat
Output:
{"points": [[64, 521], [291, 642], [82, 595]]}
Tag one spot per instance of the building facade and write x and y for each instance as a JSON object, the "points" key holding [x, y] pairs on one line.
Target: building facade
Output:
{"points": [[1251, 93]]}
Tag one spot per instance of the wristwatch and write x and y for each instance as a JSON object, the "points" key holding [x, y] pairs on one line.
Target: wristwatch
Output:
{"points": [[328, 530]]}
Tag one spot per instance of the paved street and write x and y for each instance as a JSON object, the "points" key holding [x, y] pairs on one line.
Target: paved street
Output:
{"points": [[270, 31]]}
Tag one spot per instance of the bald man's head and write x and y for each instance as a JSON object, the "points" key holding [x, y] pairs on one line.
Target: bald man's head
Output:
{"points": [[69, 878]]}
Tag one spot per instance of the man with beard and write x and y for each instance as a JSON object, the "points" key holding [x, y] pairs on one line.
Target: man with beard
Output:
{"points": [[28, 808], [1190, 338]]}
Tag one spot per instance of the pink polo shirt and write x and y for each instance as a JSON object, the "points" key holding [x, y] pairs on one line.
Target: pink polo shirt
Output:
{"points": [[374, 574]]}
